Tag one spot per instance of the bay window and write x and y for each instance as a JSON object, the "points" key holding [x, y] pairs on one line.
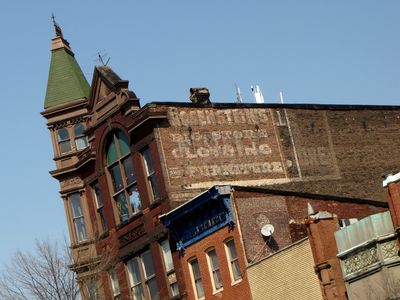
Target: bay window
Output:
{"points": [[64, 144], [80, 139]]}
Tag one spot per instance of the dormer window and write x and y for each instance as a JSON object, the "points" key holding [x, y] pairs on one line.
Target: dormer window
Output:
{"points": [[122, 176], [63, 139], [80, 139]]}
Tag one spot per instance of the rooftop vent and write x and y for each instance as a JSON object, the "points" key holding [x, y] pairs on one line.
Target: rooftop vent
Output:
{"points": [[200, 96]]}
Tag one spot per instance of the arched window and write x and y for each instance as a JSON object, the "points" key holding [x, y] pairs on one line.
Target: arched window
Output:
{"points": [[64, 144], [80, 139], [122, 175]]}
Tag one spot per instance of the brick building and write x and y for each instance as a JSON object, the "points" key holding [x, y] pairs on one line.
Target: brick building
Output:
{"points": [[362, 259], [121, 166], [230, 219]]}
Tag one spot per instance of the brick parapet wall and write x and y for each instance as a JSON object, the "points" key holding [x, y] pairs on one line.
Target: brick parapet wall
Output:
{"points": [[286, 214]]}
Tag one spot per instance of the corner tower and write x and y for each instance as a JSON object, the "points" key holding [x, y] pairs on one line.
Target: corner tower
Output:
{"points": [[67, 114]]}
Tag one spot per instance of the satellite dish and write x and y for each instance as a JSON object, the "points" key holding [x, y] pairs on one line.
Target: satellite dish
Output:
{"points": [[267, 230]]}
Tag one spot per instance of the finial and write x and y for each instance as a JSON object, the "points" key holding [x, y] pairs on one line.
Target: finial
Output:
{"points": [[56, 26], [310, 210]]}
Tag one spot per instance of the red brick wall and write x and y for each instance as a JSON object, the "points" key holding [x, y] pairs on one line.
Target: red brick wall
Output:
{"points": [[330, 151], [140, 232], [257, 209], [216, 240]]}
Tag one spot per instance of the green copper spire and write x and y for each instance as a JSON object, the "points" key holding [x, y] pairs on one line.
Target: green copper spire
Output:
{"points": [[66, 81]]}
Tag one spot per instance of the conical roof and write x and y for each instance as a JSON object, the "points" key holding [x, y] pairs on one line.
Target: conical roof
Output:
{"points": [[66, 81]]}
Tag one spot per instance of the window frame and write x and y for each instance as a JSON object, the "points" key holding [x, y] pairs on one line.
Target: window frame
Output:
{"points": [[75, 218], [214, 270], [115, 288], [151, 177], [117, 175], [144, 279], [80, 137], [100, 211], [66, 141], [195, 279], [170, 272], [232, 261]]}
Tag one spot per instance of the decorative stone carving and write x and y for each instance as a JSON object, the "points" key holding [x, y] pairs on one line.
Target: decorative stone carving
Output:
{"points": [[360, 260], [389, 249], [132, 235], [70, 182], [73, 121]]}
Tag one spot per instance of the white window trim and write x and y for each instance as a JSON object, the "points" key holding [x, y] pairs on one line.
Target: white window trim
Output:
{"points": [[193, 280], [211, 271], [229, 259]]}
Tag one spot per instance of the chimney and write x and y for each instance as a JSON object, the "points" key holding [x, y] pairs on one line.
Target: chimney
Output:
{"points": [[321, 227], [391, 184], [200, 96]]}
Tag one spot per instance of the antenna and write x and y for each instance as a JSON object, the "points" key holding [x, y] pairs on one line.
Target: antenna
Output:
{"points": [[101, 58], [267, 230], [258, 96], [238, 95]]}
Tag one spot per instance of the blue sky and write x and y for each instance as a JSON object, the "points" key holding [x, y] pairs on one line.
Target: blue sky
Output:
{"points": [[314, 51]]}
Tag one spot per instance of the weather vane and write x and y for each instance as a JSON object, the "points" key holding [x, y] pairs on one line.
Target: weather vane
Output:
{"points": [[56, 26]]}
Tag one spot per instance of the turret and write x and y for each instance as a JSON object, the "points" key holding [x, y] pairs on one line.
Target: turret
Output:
{"points": [[66, 110]]}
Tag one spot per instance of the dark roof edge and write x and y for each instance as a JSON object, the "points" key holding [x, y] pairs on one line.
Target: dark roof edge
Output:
{"points": [[310, 195], [279, 105]]}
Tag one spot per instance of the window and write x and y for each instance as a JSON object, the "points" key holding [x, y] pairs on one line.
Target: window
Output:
{"points": [[150, 173], [80, 139], [169, 267], [64, 144], [233, 259], [115, 285], [196, 277], [214, 270], [120, 167], [98, 197], [142, 277], [77, 217]]}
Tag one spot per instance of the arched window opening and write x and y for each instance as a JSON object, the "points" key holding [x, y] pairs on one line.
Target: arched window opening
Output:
{"points": [[64, 144], [80, 138], [122, 175]]}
